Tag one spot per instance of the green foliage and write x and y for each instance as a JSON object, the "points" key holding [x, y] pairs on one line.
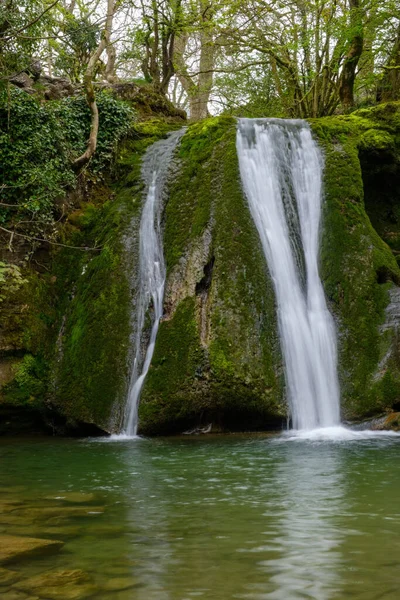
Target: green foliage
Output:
{"points": [[216, 357], [92, 367], [80, 38], [11, 279], [16, 51], [356, 264], [38, 144], [29, 385]]}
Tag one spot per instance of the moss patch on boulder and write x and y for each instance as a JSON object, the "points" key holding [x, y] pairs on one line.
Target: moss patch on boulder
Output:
{"points": [[357, 267], [217, 354]]}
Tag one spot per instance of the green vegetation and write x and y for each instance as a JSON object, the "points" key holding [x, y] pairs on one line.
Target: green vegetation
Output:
{"points": [[38, 143], [357, 265], [221, 362], [72, 321]]}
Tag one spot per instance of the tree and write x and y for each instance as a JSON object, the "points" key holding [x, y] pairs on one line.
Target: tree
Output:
{"points": [[105, 41], [200, 44], [310, 47], [389, 88], [352, 56]]}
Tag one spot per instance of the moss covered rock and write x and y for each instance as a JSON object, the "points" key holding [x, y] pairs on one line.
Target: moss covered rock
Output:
{"points": [[359, 271], [217, 355]]}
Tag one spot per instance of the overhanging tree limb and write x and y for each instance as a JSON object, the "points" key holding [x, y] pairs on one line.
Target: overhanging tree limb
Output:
{"points": [[15, 33]]}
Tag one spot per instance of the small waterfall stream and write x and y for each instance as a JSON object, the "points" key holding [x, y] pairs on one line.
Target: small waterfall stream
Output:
{"points": [[155, 169], [281, 169]]}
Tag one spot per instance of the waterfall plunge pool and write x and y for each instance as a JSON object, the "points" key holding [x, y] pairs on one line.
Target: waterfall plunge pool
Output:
{"points": [[213, 517]]}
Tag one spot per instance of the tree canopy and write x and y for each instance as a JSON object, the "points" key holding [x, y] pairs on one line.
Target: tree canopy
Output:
{"points": [[294, 58]]}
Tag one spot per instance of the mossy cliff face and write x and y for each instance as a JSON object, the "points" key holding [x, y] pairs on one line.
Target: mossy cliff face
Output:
{"points": [[66, 327], [66, 330], [217, 356], [359, 271]]}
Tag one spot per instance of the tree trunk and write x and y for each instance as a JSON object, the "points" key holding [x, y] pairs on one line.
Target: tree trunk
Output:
{"points": [[89, 89], [198, 91], [109, 73], [389, 88], [348, 75]]}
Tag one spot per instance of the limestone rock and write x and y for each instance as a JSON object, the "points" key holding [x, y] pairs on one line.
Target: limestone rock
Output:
{"points": [[22, 80], [59, 585], [14, 547]]}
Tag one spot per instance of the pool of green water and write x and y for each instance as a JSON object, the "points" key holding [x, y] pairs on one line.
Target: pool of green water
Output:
{"points": [[247, 517]]}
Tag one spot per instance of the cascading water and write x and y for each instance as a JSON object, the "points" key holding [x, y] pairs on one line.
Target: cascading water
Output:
{"points": [[281, 169], [151, 269]]}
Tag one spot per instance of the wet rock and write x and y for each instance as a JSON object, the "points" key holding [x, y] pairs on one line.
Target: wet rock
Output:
{"points": [[389, 422], [73, 497], [118, 584], [59, 585], [8, 577], [10, 518], [199, 430], [15, 595], [7, 507], [58, 531], [52, 513], [14, 548]]}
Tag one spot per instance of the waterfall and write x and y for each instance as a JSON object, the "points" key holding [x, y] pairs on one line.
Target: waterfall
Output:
{"points": [[281, 168], [151, 269]]}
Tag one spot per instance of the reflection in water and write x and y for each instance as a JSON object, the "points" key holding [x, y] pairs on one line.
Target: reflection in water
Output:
{"points": [[306, 541], [147, 524], [219, 518]]}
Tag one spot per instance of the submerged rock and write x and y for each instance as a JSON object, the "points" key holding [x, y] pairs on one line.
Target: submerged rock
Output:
{"points": [[8, 577], [52, 513], [13, 548], [59, 585], [73, 497], [117, 584]]}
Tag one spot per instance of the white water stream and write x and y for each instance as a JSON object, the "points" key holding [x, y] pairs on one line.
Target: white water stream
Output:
{"points": [[281, 169], [151, 270]]}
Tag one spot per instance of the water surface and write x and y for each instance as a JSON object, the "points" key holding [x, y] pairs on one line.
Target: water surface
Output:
{"points": [[250, 517]]}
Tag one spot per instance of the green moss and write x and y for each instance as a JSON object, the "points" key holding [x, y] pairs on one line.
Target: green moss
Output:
{"points": [[234, 377], [356, 264], [188, 210], [173, 371], [29, 384], [74, 322], [92, 375]]}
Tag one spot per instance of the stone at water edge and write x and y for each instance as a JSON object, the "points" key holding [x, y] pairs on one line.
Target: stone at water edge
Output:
{"points": [[15, 547], [59, 585], [59, 530]]}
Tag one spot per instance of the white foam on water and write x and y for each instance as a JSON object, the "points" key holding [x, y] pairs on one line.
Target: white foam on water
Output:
{"points": [[335, 434]]}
